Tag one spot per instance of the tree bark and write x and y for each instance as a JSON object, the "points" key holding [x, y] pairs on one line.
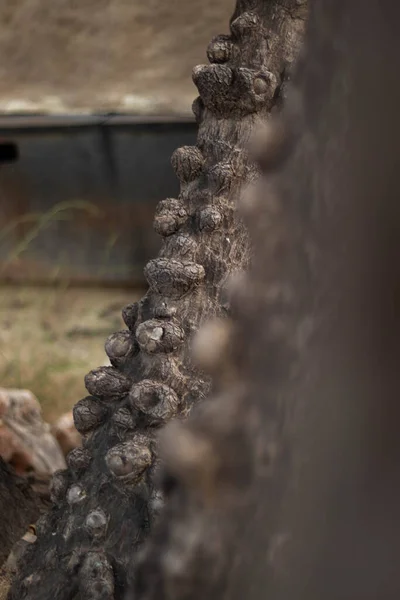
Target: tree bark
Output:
{"points": [[342, 514], [108, 499], [19, 507], [291, 488]]}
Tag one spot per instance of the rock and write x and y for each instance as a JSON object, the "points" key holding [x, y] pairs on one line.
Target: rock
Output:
{"points": [[26, 441], [66, 434]]}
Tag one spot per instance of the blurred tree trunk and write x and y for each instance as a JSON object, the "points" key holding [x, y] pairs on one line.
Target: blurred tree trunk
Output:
{"points": [[108, 499], [291, 488]]}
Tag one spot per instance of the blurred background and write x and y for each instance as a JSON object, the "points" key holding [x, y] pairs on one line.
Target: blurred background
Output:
{"points": [[95, 95]]}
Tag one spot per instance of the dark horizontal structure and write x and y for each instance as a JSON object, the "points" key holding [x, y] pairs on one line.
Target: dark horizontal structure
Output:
{"points": [[78, 194]]}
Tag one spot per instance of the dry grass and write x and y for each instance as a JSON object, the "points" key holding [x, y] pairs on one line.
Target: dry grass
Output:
{"points": [[100, 54], [51, 337]]}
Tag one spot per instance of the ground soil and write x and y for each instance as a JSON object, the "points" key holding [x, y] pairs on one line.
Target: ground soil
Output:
{"points": [[51, 337], [104, 55]]}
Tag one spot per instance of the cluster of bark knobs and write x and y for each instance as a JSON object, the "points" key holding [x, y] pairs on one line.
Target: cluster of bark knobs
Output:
{"points": [[286, 469]]}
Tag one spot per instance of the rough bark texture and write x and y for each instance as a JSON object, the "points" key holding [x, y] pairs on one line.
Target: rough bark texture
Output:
{"points": [[18, 508], [10, 567], [108, 499], [286, 484]]}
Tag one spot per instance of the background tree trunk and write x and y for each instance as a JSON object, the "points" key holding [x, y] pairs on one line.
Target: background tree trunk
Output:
{"points": [[292, 485], [107, 500], [19, 507]]}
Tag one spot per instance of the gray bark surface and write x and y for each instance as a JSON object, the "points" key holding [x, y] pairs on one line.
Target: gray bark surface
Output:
{"points": [[109, 498]]}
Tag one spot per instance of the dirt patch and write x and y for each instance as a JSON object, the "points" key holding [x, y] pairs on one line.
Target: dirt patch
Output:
{"points": [[51, 337], [101, 55]]}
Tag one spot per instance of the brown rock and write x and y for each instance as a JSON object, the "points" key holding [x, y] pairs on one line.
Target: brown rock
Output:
{"points": [[66, 434], [25, 439]]}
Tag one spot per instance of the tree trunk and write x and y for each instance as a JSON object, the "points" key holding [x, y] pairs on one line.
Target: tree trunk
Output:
{"points": [[107, 500], [291, 488]]}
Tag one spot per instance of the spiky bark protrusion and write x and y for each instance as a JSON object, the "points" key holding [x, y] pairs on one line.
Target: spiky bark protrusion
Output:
{"points": [[107, 500]]}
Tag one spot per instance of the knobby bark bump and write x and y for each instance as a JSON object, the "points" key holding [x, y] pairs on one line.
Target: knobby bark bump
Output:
{"points": [[109, 497]]}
